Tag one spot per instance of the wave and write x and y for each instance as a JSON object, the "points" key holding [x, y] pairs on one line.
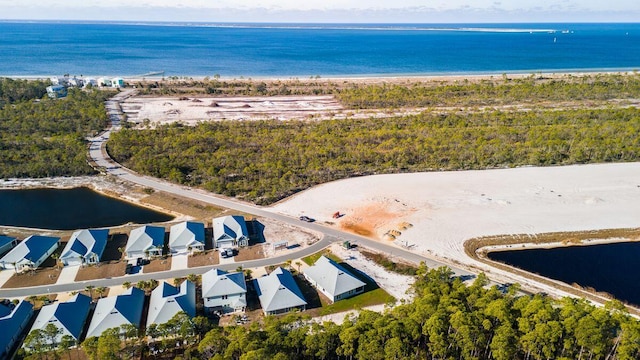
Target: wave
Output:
{"points": [[302, 26]]}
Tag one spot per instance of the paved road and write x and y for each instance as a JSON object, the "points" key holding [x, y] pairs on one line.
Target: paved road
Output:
{"points": [[100, 157]]}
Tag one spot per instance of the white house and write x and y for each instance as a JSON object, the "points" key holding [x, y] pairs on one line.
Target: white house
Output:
{"points": [[56, 91], [14, 318], [166, 301], [30, 253], [145, 241], [85, 247], [230, 231], [7, 243], [278, 293], [104, 82], [334, 281], [225, 292], [117, 82], [90, 82], [186, 237], [115, 311], [68, 316]]}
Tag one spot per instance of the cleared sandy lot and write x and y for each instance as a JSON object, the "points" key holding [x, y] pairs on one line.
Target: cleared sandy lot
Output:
{"points": [[193, 109], [434, 213]]}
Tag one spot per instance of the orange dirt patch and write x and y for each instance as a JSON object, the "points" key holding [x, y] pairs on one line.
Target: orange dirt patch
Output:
{"points": [[375, 219]]}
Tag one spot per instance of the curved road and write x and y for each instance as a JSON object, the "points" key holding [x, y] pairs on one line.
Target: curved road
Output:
{"points": [[97, 151]]}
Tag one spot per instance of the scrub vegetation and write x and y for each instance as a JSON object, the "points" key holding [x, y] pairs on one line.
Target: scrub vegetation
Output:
{"points": [[265, 161], [41, 137]]}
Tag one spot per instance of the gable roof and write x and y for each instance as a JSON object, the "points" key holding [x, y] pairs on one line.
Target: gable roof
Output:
{"points": [[69, 315], [186, 233], [4, 240], [166, 301], [217, 282], [279, 290], [31, 249], [332, 276], [145, 237], [12, 318], [113, 311], [84, 242], [229, 227]]}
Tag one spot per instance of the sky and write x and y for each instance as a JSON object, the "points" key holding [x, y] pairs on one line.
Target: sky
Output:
{"points": [[326, 11]]}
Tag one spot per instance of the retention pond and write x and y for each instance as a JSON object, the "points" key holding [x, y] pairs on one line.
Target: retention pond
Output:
{"points": [[70, 209], [612, 268]]}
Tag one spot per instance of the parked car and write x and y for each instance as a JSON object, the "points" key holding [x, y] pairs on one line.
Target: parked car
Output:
{"points": [[306, 218], [227, 253]]}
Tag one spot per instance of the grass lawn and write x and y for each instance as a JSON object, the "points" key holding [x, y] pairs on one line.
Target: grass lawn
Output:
{"points": [[368, 298], [311, 259]]}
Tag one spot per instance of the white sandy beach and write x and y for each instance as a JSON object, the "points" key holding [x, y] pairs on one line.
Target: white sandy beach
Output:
{"points": [[447, 208]]}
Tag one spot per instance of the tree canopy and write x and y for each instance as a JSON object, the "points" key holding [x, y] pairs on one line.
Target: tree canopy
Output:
{"points": [[264, 161], [42, 137]]}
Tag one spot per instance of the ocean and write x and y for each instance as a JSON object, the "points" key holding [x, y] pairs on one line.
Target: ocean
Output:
{"points": [[307, 50]]}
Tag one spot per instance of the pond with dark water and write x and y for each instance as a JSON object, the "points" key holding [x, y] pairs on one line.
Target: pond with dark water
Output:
{"points": [[612, 268], [70, 209]]}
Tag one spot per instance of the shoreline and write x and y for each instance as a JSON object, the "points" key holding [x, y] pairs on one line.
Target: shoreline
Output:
{"points": [[427, 76]]}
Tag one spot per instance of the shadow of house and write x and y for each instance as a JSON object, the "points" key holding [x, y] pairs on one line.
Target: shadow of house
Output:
{"points": [[115, 242], [256, 232]]}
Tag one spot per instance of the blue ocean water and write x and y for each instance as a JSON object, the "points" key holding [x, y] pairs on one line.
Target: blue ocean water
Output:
{"points": [[298, 50]]}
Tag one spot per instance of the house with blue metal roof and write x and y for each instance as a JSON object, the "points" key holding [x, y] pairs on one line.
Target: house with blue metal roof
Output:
{"points": [[333, 280], [224, 292], [30, 253], [85, 247], [166, 301], [230, 231], [7, 243], [14, 318], [278, 293], [115, 311], [145, 242], [186, 237], [69, 316]]}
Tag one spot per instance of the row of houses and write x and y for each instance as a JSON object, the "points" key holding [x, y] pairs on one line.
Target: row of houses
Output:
{"points": [[278, 292], [222, 292], [59, 86], [85, 247]]}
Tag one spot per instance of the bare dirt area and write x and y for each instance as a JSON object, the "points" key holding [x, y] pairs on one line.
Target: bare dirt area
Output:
{"points": [[104, 270], [192, 208], [190, 110], [250, 253], [157, 265], [43, 276], [275, 232], [446, 209], [205, 258], [380, 219]]}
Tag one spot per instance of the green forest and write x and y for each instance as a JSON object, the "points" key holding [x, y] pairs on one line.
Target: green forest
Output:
{"points": [[264, 161], [446, 320], [41, 137], [532, 89]]}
